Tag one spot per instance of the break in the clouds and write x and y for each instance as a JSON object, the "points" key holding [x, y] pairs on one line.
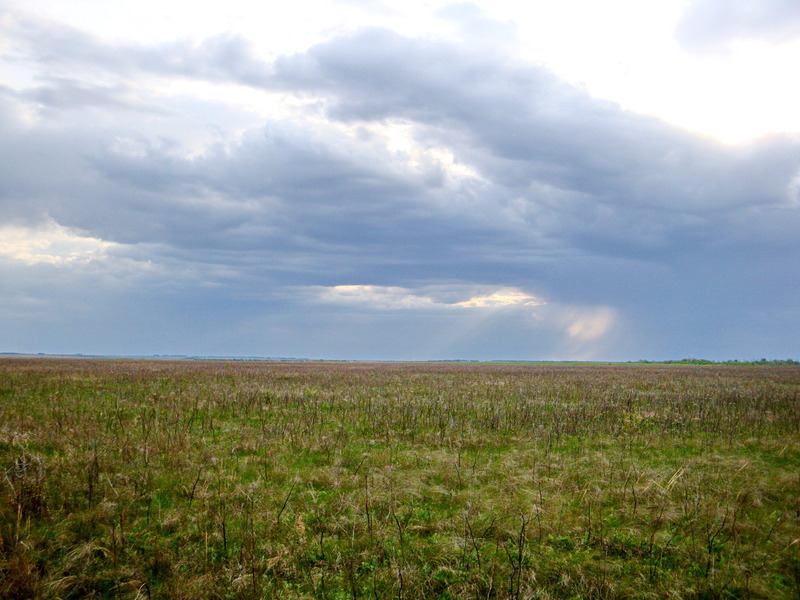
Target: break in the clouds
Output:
{"points": [[378, 194]]}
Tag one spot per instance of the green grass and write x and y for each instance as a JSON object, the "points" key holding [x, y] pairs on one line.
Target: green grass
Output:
{"points": [[189, 479]]}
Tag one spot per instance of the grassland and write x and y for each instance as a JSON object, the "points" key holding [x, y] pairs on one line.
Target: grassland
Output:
{"points": [[190, 479]]}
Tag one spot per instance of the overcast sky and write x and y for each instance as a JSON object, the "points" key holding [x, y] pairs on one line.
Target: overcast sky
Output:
{"points": [[357, 179]]}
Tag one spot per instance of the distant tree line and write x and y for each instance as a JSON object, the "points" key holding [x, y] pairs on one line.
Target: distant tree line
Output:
{"points": [[703, 361]]}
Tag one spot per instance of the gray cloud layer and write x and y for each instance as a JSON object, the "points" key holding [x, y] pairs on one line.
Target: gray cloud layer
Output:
{"points": [[712, 24], [566, 197]]}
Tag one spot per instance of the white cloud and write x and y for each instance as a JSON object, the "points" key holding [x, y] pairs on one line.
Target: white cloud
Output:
{"points": [[374, 296], [590, 324], [51, 244], [390, 298], [503, 297]]}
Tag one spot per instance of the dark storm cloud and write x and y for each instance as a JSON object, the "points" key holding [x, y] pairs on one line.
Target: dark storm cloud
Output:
{"points": [[712, 24]]}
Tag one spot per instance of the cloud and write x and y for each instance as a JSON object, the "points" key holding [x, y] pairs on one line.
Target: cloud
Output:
{"points": [[475, 26], [503, 297], [519, 126], [466, 314], [397, 298], [68, 94], [374, 297], [416, 186], [51, 244], [715, 24], [499, 155], [590, 325], [59, 47]]}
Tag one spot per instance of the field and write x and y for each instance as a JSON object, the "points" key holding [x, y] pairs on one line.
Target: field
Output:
{"points": [[192, 479]]}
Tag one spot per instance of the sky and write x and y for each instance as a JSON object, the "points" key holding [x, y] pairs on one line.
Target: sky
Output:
{"points": [[393, 180]]}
